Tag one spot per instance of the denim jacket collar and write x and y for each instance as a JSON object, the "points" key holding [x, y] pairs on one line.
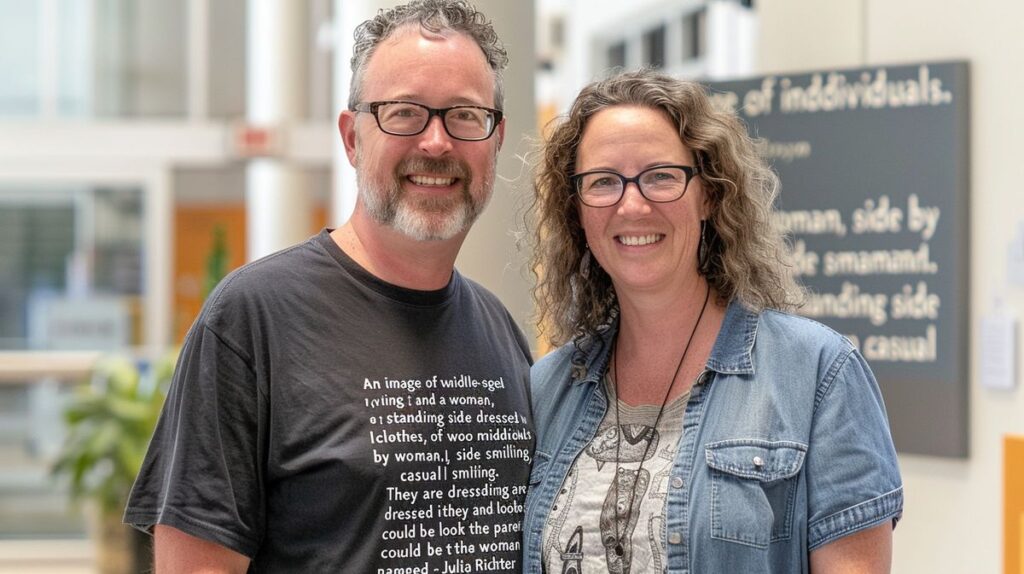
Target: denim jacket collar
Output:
{"points": [[734, 346], [731, 353]]}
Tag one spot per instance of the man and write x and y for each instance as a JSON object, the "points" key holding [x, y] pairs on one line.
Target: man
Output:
{"points": [[353, 404]]}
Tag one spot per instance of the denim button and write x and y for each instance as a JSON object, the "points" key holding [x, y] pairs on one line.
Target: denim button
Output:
{"points": [[675, 538], [677, 482], [758, 461]]}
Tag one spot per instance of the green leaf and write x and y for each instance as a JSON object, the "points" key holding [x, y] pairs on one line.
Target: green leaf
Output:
{"points": [[110, 421]]}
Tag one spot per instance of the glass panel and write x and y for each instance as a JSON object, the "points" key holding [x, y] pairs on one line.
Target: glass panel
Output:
{"points": [[139, 60], [118, 249], [693, 34], [654, 47], [106, 58], [617, 55], [32, 504], [36, 241], [77, 261], [74, 58], [227, 58], [76, 256], [19, 58]]}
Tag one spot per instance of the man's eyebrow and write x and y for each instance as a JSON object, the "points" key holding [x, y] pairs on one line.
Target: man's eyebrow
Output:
{"points": [[465, 102], [456, 101]]}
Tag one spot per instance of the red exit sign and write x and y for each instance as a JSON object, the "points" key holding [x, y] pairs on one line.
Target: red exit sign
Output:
{"points": [[250, 140]]}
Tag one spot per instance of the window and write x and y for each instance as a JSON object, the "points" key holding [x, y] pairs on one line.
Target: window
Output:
{"points": [[19, 58], [617, 55], [654, 47], [38, 242], [557, 33], [76, 254], [694, 30]]}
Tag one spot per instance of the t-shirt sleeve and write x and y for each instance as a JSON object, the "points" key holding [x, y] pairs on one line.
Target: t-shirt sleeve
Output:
{"points": [[201, 474], [853, 479]]}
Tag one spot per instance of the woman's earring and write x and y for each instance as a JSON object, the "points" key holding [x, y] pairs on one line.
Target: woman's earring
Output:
{"points": [[707, 233], [585, 263]]}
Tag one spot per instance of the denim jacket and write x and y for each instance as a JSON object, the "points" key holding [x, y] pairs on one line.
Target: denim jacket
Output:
{"points": [[785, 447]]}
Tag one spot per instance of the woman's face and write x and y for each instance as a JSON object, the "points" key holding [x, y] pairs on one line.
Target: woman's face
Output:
{"points": [[644, 246]]}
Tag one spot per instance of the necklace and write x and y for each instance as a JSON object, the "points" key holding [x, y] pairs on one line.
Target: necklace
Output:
{"points": [[619, 549]]}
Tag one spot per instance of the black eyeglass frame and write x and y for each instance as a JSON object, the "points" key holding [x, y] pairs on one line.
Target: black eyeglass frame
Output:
{"points": [[372, 107], [691, 172]]}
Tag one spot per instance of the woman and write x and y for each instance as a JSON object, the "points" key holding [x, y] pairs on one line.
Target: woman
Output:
{"points": [[687, 423]]}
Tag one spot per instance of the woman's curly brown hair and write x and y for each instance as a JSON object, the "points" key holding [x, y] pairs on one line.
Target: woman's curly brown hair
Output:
{"points": [[749, 260]]}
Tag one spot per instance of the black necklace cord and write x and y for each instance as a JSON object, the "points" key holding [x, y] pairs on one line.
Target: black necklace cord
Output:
{"points": [[619, 550]]}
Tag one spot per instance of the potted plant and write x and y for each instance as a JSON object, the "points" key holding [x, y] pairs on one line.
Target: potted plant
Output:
{"points": [[110, 420]]}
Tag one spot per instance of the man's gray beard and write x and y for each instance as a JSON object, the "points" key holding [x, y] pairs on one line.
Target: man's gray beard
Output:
{"points": [[431, 219]]}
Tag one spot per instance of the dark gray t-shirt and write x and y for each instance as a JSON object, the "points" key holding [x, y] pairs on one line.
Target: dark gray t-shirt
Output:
{"points": [[322, 420]]}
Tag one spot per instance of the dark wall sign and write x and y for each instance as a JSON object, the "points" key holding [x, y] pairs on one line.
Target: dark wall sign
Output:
{"points": [[874, 168]]}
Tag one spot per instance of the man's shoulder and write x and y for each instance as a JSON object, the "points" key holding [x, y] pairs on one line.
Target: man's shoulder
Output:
{"points": [[482, 306], [480, 294], [267, 277]]}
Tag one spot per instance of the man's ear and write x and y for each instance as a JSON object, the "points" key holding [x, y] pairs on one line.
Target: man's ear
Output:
{"points": [[501, 133], [347, 129]]}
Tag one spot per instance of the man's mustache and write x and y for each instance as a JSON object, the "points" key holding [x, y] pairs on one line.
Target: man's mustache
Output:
{"points": [[434, 166]]}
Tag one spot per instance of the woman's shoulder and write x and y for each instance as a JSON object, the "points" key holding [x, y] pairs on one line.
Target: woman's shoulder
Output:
{"points": [[800, 331], [792, 343], [561, 387], [583, 358], [555, 365]]}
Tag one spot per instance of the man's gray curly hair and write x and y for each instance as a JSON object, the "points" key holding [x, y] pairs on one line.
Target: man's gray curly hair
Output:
{"points": [[435, 16]]}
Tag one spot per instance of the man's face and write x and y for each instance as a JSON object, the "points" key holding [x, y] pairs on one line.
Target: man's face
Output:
{"points": [[428, 186]]}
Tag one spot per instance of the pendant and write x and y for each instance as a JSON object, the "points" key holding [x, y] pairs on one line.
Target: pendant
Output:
{"points": [[618, 550]]}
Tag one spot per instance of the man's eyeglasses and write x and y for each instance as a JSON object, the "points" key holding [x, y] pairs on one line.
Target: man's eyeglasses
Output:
{"points": [[660, 184], [466, 123]]}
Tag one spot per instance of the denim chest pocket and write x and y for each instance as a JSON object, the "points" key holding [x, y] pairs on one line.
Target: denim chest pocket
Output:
{"points": [[753, 488]]}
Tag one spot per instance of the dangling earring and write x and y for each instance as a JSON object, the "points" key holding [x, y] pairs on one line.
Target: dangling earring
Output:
{"points": [[585, 263], [707, 234]]}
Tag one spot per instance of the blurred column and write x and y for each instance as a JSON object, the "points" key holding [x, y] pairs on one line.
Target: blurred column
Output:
{"points": [[731, 39], [278, 202], [198, 60], [347, 15]]}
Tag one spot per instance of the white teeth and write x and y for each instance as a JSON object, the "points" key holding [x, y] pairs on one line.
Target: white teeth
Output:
{"points": [[635, 240], [426, 180]]}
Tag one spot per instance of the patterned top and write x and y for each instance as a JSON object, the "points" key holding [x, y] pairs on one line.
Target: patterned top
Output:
{"points": [[583, 529]]}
